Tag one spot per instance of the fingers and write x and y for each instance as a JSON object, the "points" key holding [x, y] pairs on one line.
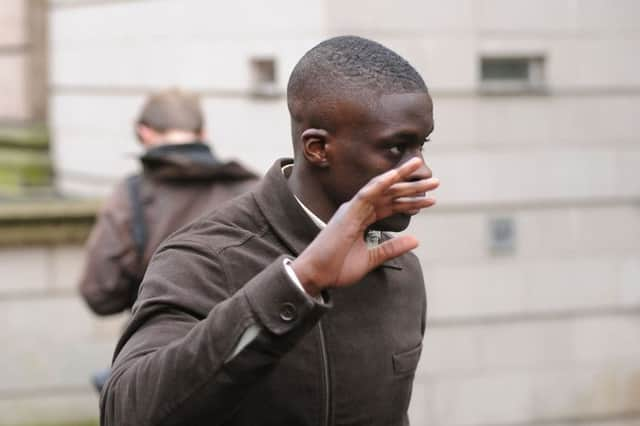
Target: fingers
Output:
{"points": [[390, 249], [380, 184], [412, 205], [411, 197], [412, 189], [409, 167], [391, 193]]}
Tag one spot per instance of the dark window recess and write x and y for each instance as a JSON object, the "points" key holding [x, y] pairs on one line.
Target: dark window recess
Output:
{"points": [[505, 69], [512, 74], [263, 76], [502, 236]]}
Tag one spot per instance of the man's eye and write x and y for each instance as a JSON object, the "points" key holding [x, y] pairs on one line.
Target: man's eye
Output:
{"points": [[395, 150]]}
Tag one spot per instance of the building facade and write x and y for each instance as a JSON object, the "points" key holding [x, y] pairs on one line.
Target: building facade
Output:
{"points": [[531, 258], [25, 168]]}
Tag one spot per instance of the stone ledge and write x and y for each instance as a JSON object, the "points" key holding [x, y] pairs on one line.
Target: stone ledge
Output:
{"points": [[31, 136], [46, 221], [25, 165]]}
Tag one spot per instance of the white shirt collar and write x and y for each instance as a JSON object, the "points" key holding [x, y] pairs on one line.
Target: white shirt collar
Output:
{"points": [[319, 223]]}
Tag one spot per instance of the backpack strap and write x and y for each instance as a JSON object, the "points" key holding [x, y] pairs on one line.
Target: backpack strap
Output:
{"points": [[138, 225]]}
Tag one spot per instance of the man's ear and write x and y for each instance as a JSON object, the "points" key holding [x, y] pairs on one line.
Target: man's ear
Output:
{"points": [[314, 144], [146, 135]]}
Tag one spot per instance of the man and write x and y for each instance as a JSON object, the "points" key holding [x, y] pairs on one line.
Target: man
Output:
{"points": [[181, 180], [276, 310]]}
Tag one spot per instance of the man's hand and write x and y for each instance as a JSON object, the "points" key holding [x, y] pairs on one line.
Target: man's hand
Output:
{"points": [[339, 256]]}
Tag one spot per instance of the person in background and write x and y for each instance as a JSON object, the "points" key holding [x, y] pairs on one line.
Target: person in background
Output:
{"points": [[181, 179]]}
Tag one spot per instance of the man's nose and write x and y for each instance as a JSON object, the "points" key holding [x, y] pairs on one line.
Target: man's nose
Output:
{"points": [[423, 172]]}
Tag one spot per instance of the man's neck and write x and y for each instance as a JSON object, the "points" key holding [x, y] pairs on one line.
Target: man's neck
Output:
{"points": [[307, 190], [171, 137]]}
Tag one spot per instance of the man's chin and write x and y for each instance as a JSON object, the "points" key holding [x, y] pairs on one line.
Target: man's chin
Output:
{"points": [[395, 223]]}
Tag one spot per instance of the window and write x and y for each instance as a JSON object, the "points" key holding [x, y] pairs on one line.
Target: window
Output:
{"points": [[512, 74], [502, 236], [263, 77]]}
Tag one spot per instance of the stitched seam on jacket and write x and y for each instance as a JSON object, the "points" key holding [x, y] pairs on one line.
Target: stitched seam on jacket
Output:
{"points": [[219, 252], [259, 233]]}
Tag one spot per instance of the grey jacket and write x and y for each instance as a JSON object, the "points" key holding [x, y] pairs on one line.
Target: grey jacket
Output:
{"points": [[178, 184], [350, 361]]}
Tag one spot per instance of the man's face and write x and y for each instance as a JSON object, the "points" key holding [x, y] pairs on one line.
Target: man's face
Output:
{"points": [[374, 136]]}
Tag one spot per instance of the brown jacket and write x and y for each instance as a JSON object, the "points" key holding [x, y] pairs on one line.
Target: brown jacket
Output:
{"points": [[350, 361], [178, 184]]}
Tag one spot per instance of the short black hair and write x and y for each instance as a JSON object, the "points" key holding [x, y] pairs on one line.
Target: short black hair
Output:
{"points": [[340, 65]]}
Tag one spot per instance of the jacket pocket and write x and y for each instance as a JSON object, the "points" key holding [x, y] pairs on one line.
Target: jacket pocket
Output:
{"points": [[406, 362]]}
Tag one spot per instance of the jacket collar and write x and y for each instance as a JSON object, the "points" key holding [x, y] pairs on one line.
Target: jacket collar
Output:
{"points": [[280, 208], [287, 218], [190, 161]]}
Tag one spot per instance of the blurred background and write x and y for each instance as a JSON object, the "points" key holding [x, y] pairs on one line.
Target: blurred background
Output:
{"points": [[531, 258]]}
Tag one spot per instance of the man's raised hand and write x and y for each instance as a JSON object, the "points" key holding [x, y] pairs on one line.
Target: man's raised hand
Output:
{"points": [[339, 256]]}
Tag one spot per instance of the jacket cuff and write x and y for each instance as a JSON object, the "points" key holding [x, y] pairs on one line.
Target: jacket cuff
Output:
{"points": [[278, 304]]}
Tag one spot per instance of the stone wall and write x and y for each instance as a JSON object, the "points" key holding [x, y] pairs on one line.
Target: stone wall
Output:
{"points": [[53, 342], [546, 336], [544, 333], [25, 167], [23, 61]]}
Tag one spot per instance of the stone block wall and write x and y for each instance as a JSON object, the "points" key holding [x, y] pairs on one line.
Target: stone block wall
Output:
{"points": [[544, 334], [24, 158], [548, 335], [53, 342]]}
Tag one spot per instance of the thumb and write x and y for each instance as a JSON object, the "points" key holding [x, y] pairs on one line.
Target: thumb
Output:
{"points": [[390, 249]]}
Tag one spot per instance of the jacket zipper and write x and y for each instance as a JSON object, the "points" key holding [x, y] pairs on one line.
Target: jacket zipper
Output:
{"points": [[325, 373]]}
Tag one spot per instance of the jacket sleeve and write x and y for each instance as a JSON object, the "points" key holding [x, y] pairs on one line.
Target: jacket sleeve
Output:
{"points": [[173, 364], [112, 271]]}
